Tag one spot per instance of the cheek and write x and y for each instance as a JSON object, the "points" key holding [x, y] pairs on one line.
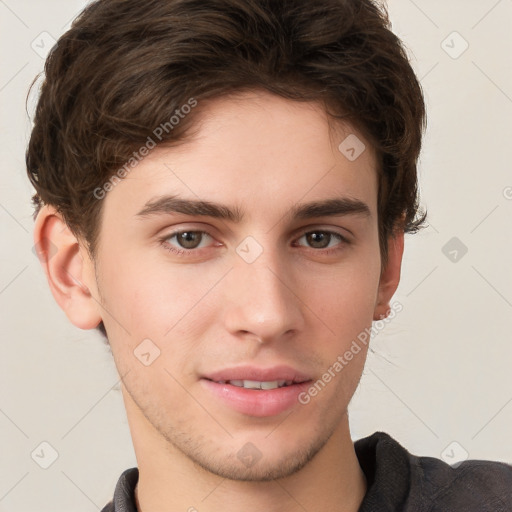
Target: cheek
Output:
{"points": [[345, 296], [344, 302], [158, 301]]}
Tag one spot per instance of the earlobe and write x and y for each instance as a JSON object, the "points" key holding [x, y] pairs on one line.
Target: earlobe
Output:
{"points": [[68, 268], [390, 275]]}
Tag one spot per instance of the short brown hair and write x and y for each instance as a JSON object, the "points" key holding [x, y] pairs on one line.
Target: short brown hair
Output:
{"points": [[125, 67]]}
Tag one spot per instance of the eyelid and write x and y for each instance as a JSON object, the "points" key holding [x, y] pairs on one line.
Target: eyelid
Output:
{"points": [[298, 233], [343, 241], [327, 229], [176, 232]]}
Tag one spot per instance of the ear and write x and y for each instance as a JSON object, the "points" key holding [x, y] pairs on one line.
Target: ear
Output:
{"points": [[68, 268], [390, 275]]}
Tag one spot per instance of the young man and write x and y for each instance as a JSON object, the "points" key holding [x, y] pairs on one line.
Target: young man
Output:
{"points": [[223, 190]]}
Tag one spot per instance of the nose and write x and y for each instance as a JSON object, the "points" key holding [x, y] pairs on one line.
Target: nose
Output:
{"points": [[262, 297]]}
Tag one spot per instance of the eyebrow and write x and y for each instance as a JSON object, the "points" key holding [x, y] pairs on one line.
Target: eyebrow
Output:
{"points": [[338, 206]]}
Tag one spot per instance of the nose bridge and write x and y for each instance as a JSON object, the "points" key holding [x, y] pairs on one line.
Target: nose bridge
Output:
{"points": [[262, 298]]}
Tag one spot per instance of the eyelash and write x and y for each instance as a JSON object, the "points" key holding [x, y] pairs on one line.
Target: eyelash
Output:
{"points": [[181, 252]]}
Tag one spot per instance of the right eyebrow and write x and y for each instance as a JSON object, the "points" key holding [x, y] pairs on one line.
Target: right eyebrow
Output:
{"points": [[196, 207]]}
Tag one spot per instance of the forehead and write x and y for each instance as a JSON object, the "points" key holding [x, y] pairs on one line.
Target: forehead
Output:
{"points": [[260, 152]]}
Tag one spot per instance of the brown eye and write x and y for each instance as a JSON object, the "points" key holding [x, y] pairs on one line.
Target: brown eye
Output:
{"points": [[185, 240], [318, 239], [322, 239], [189, 239]]}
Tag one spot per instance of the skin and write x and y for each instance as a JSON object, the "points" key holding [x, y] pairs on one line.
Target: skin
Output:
{"points": [[210, 309]]}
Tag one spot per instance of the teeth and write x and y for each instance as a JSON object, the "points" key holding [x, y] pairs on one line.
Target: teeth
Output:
{"points": [[269, 385], [256, 384], [237, 383]]}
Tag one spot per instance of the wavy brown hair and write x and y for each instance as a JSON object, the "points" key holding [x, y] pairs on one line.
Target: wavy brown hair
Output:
{"points": [[125, 67]]}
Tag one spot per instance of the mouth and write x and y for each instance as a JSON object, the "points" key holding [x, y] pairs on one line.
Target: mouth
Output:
{"points": [[256, 391], [258, 385]]}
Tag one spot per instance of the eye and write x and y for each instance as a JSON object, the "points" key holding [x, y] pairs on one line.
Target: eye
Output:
{"points": [[321, 239], [187, 240]]}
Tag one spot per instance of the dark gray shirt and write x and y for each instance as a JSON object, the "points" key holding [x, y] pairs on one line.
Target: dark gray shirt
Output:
{"points": [[399, 481]]}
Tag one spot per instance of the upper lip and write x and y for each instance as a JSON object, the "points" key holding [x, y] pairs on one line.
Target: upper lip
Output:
{"points": [[270, 374]]}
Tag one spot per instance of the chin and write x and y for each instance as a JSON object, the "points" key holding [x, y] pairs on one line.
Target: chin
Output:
{"points": [[249, 464]]}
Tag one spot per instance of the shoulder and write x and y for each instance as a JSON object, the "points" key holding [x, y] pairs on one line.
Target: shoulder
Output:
{"points": [[124, 493], [473, 485], [428, 484], [109, 507]]}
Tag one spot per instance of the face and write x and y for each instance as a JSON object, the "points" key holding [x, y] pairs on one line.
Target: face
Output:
{"points": [[196, 303]]}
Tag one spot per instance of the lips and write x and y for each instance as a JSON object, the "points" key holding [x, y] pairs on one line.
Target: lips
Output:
{"points": [[285, 374], [257, 391], [255, 384]]}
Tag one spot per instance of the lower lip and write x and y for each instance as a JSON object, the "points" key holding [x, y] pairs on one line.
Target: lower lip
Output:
{"points": [[268, 402]]}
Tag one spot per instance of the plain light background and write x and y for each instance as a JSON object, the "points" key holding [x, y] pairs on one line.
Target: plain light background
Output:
{"points": [[439, 379]]}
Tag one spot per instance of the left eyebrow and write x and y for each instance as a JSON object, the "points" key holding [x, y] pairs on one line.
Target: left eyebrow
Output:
{"points": [[339, 206], [330, 208]]}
